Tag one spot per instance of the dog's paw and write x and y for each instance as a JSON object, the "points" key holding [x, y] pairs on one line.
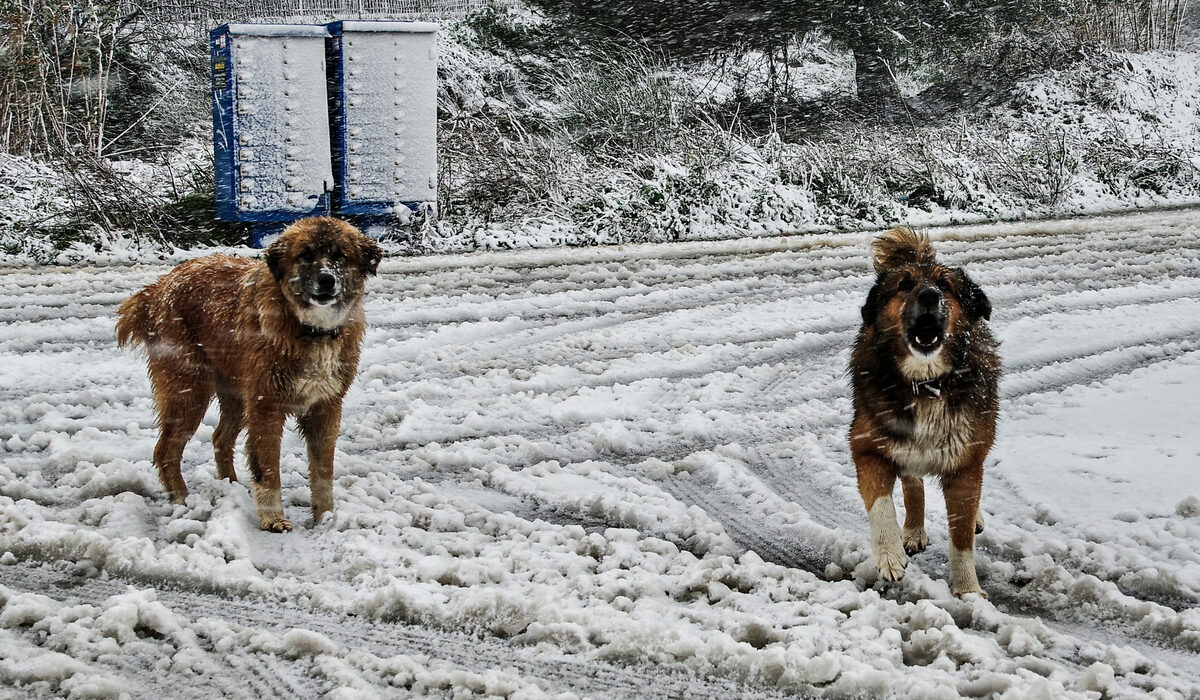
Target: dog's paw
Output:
{"points": [[890, 563], [322, 499], [915, 540], [978, 522], [971, 591], [276, 523], [963, 579]]}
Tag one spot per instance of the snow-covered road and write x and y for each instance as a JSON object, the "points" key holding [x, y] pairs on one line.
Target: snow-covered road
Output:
{"points": [[622, 472]]}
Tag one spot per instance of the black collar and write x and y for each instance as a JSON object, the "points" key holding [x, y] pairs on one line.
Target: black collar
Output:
{"points": [[313, 332], [930, 387]]}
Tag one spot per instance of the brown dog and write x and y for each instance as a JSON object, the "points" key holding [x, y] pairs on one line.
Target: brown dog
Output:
{"points": [[270, 338], [924, 371]]}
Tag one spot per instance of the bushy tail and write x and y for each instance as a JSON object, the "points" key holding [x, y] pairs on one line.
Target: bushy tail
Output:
{"points": [[133, 321], [902, 246]]}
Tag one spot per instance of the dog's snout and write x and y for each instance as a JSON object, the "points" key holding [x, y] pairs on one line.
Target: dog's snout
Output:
{"points": [[929, 298], [326, 281]]}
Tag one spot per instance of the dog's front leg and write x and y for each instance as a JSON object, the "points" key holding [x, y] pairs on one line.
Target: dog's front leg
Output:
{"points": [[961, 490], [915, 538], [876, 481], [264, 430], [320, 429]]}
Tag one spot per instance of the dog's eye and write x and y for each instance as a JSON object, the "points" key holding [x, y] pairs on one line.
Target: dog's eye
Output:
{"points": [[905, 285], [306, 255], [943, 284]]}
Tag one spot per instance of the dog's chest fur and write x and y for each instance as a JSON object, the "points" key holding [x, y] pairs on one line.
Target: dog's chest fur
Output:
{"points": [[931, 439], [321, 378]]}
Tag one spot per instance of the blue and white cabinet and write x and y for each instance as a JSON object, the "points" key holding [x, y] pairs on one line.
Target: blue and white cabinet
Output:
{"points": [[383, 102], [271, 140]]}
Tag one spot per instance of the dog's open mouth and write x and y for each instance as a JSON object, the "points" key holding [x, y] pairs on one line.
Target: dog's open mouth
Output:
{"points": [[322, 299], [926, 334]]}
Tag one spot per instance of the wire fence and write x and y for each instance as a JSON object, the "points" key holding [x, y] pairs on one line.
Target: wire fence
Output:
{"points": [[199, 12]]}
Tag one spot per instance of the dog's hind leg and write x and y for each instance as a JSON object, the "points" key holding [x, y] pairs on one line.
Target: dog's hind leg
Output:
{"points": [[320, 428], [915, 538], [181, 402], [225, 436]]}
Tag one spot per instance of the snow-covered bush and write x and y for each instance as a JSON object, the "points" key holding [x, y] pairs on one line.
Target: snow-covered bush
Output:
{"points": [[655, 152]]}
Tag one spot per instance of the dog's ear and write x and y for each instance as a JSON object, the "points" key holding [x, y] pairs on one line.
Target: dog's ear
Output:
{"points": [[870, 309], [972, 298], [371, 255], [275, 255]]}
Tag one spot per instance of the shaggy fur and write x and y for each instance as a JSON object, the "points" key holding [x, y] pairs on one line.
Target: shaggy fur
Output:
{"points": [[925, 372], [270, 338]]}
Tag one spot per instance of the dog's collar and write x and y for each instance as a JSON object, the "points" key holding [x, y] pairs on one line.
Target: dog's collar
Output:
{"points": [[314, 332], [929, 387]]}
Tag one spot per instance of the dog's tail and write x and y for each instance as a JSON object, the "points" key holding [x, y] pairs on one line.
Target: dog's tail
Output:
{"points": [[133, 321], [902, 246]]}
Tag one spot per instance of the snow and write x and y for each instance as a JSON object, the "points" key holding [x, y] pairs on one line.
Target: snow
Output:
{"points": [[29, 191], [622, 472], [389, 27], [278, 30], [1098, 434]]}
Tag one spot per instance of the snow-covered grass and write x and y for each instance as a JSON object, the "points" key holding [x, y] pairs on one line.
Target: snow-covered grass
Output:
{"points": [[1111, 132], [57, 215], [538, 151], [32, 194], [622, 472]]}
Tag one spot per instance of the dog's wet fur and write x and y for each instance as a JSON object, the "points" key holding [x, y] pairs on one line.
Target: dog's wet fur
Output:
{"points": [[269, 338], [924, 371]]}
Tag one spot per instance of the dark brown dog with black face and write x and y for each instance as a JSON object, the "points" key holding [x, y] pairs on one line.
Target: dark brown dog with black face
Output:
{"points": [[925, 372], [271, 338]]}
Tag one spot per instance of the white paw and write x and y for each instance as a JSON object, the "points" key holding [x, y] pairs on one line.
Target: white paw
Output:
{"points": [[971, 591], [890, 561], [978, 522], [885, 540], [274, 523], [915, 540], [963, 580]]}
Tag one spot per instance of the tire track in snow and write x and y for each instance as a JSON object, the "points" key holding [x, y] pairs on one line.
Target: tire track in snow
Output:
{"points": [[1031, 277], [1081, 369], [1128, 358], [268, 675], [516, 283]]}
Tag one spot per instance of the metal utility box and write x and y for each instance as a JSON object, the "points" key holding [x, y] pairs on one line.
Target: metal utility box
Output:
{"points": [[383, 103], [270, 123]]}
